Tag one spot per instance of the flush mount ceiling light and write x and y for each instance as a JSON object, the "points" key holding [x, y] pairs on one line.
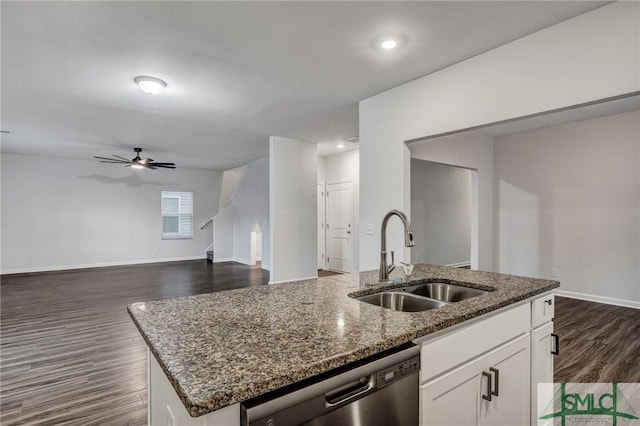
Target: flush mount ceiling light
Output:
{"points": [[388, 44], [150, 85]]}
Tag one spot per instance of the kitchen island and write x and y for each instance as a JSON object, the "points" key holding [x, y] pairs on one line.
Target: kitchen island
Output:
{"points": [[219, 349]]}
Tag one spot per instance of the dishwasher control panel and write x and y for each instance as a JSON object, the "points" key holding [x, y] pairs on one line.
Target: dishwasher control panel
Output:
{"points": [[397, 372]]}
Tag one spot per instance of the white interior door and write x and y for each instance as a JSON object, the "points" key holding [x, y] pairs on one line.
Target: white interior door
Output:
{"points": [[321, 220], [339, 226]]}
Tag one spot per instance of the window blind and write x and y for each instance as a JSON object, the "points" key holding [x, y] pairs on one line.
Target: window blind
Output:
{"points": [[177, 214]]}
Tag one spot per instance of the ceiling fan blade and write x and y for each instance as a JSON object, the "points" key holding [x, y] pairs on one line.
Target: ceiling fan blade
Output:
{"points": [[113, 162], [109, 159], [122, 158], [164, 165]]}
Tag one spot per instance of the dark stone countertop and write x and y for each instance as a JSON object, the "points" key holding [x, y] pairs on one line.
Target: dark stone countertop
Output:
{"points": [[218, 349]]}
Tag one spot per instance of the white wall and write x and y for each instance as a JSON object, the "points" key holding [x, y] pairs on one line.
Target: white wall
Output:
{"points": [[60, 213], [223, 236], [250, 205], [293, 209], [587, 58], [471, 150], [321, 169], [230, 180], [568, 197], [339, 167], [440, 213]]}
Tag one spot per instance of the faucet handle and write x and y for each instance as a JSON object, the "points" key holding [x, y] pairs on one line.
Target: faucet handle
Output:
{"points": [[391, 267]]}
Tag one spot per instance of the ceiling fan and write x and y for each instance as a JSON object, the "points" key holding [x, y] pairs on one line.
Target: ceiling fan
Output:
{"points": [[137, 162]]}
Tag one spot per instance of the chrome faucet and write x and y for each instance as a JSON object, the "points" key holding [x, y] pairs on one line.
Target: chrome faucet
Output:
{"points": [[408, 241]]}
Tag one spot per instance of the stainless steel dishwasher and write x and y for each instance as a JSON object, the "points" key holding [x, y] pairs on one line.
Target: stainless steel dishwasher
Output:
{"points": [[381, 391]]}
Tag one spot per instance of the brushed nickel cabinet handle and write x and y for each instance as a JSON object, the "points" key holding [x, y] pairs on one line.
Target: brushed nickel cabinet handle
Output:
{"points": [[487, 397], [556, 344], [497, 373]]}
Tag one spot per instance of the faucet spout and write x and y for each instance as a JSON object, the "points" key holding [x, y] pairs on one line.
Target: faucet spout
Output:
{"points": [[408, 241]]}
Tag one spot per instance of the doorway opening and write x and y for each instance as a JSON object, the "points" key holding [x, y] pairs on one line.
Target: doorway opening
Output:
{"points": [[256, 245], [444, 214]]}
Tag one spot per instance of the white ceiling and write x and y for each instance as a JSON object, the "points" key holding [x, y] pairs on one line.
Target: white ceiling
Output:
{"points": [[236, 72]]}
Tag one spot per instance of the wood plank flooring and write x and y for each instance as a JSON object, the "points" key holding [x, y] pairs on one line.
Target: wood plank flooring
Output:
{"points": [[70, 354], [326, 273], [598, 343]]}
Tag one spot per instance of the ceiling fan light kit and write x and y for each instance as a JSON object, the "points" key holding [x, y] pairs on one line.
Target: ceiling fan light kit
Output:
{"points": [[136, 162]]}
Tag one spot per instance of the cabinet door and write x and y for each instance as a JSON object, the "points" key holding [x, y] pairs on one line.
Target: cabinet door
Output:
{"points": [[456, 398], [541, 367], [452, 399], [509, 367]]}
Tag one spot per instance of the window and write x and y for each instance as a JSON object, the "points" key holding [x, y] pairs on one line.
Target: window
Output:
{"points": [[177, 215]]}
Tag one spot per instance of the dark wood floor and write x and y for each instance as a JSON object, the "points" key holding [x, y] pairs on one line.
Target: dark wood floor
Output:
{"points": [[325, 273], [598, 343], [70, 354]]}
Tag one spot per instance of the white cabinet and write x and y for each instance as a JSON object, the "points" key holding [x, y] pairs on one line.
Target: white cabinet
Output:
{"points": [[509, 351], [492, 389], [165, 408], [542, 310], [544, 346]]}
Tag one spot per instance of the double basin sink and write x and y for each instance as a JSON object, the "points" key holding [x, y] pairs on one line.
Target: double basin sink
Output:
{"points": [[421, 297]]}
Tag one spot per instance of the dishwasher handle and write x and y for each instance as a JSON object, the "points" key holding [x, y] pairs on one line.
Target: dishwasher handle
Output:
{"points": [[350, 391]]}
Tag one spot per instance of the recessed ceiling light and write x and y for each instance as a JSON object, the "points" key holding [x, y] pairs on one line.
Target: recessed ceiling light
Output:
{"points": [[340, 146], [388, 44], [150, 85]]}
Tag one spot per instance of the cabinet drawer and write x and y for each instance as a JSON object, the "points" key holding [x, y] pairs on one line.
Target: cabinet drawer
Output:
{"points": [[450, 350], [542, 310]]}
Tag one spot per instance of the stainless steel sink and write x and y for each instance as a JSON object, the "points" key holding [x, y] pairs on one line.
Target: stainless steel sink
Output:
{"points": [[401, 301], [421, 297], [443, 291]]}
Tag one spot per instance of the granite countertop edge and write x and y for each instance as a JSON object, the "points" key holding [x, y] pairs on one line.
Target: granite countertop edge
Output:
{"points": [[200, 406]]}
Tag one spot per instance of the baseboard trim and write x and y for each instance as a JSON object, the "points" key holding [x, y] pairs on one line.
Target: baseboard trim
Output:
{"points": [[98, 265], [315, 277], [459, 265], [598, 299], [223, 259]]}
